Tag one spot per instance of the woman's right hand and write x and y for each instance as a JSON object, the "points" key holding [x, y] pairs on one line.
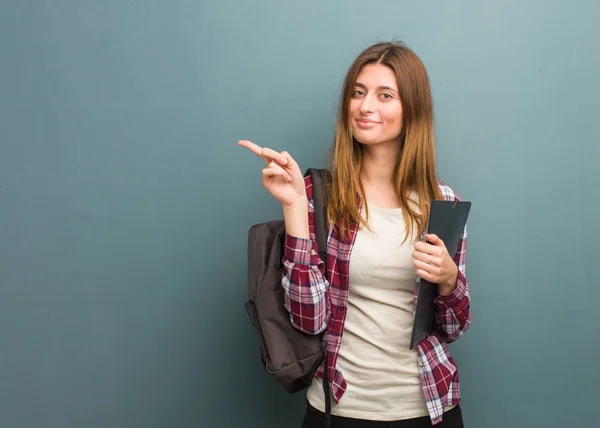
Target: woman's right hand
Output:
{"points": [[282, 176]]}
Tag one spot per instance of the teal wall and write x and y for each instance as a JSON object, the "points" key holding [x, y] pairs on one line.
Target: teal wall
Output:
{"points": [[125, 201]]}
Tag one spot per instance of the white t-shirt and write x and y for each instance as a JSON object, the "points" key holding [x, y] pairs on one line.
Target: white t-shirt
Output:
{"points": [[381, 372]]}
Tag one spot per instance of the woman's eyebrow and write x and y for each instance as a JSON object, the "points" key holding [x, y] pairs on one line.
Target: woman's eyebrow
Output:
{"points": [[385, 88]]}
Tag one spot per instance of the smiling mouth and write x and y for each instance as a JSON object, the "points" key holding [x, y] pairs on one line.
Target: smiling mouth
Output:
{"points": [[364, 123]]}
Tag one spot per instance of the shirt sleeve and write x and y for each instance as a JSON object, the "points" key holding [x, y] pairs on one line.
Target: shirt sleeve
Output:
{"points": [[306, 288], [453, 311]]}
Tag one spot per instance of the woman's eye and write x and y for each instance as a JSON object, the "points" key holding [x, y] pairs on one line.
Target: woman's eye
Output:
{"points": [[357, 93], [387, 96]]}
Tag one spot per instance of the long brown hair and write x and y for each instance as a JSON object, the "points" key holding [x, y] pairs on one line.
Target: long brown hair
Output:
{"points": [[415, 170]]}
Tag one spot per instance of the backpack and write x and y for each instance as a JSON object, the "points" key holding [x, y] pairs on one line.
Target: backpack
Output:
{"points": [[290, 356]]}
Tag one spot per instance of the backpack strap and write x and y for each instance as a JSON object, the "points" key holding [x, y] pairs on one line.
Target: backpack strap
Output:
{"points": [[320, 178]]}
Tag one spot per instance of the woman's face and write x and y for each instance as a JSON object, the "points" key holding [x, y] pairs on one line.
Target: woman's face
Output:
{"points": [[375, 110]]}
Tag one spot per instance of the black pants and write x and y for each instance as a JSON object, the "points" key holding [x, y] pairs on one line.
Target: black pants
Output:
{"points": [[313, 418]]}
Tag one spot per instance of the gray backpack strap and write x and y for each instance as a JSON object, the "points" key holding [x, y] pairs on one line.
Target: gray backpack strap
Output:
{"points": [[320, 179]]}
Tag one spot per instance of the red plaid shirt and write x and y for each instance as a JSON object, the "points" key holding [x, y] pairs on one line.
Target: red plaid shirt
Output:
{"points": [[317, 299]]}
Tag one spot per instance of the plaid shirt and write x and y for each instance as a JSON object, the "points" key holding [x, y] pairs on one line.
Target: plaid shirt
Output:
{"points": [[317, 299]]}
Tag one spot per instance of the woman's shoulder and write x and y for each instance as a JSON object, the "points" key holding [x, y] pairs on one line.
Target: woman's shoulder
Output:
{"points": [[308, 183], [325, 175], [447, 192]]}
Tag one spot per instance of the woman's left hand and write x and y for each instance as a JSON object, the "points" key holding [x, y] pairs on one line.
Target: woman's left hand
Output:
{"points": [[434, 264]]}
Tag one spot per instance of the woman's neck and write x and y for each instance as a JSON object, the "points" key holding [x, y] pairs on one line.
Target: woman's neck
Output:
{"points": [[379, 163], [378, 166]]}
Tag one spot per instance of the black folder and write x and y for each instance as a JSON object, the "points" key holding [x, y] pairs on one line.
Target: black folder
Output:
{"points": [[447, 220]]}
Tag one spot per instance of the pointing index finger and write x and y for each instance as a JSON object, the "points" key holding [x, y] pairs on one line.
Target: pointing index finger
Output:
{"points": [[264, 153], [273, 155], [257, 150]]}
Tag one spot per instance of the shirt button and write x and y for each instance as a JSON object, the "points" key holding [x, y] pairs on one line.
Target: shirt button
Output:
{"points": [[419, 362], [313, 252]]}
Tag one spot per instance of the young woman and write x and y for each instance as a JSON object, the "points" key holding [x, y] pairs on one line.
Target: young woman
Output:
{"points": [[383, 178]]}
